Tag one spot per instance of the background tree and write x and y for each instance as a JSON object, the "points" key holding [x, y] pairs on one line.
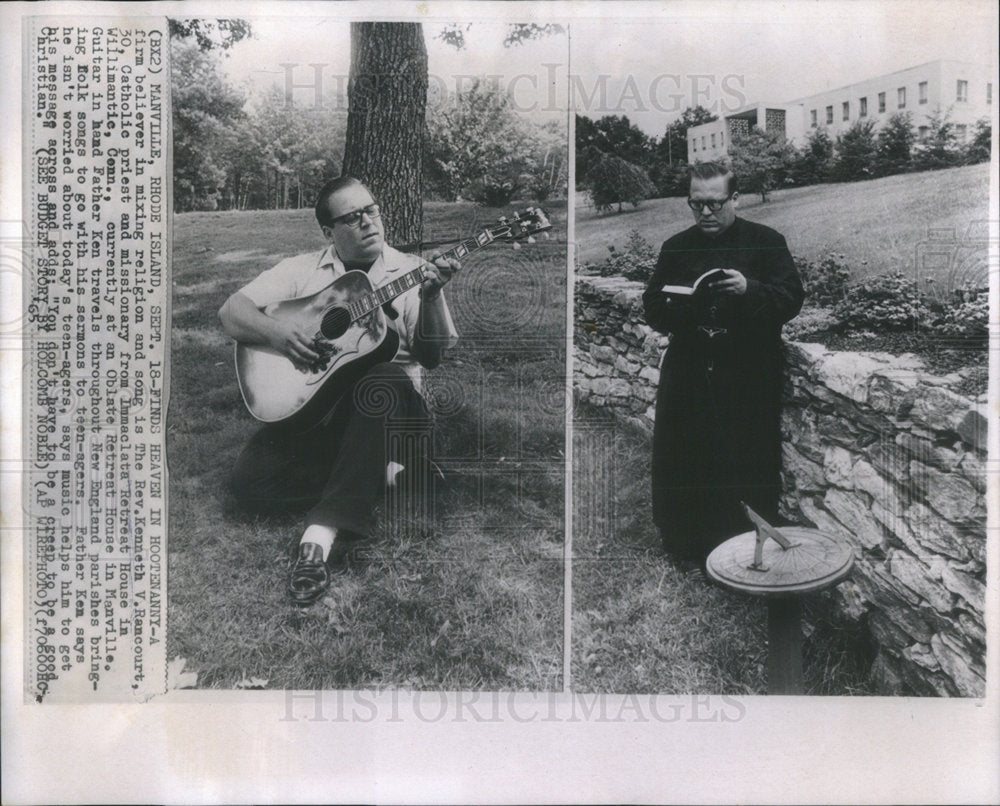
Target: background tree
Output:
{"points": [[287, 152], [978, 149], [611, 134], [207, 112], [210, 35], [761, 160], [673, 146], [613, 180], [387, 96], [517, 33], [668, 164], [479, 147], [387, 92], [894, 146], [815, 160], [549, 168], [939, 149], [856, 152]]}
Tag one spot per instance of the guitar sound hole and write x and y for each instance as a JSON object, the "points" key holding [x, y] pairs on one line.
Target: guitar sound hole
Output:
{"points": [[335, 323]]}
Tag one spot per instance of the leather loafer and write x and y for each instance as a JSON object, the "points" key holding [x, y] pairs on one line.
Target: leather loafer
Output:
{"points": [[310, 576]]}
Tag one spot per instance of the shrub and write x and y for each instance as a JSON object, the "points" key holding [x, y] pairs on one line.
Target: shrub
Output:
{"points": [[815, 160], [885, 302], [634, 262], [966, 315], [825, 281], [809, 322], [856, 152], [613, 180], [939, 146], [895, 145], [978, 149]]}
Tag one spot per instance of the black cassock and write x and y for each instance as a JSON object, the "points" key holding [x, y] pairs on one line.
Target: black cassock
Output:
{"points": [[717, 437]]}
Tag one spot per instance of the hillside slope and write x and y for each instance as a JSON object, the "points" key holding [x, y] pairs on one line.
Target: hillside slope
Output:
{"points": [[887, 222]]}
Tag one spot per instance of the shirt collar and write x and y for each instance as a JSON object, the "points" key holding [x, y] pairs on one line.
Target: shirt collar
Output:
{"points": [[328, 259]]}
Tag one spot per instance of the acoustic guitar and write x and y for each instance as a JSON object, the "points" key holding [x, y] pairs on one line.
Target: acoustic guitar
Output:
{"points": [[352, 335]]}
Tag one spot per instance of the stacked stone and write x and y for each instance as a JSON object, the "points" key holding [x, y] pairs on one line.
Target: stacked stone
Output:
{"points": [[877, 451], [888, 457], [617, 355]]}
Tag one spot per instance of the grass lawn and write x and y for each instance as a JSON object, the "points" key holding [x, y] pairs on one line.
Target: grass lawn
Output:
{"points": [[641, 624], [933, 221], [471, 595]]}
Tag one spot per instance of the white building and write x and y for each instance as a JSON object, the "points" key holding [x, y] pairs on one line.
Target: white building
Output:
{"points": [[961, 90]]}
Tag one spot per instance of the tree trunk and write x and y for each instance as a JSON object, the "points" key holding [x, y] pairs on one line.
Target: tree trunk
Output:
{"points": [[387, 97]]}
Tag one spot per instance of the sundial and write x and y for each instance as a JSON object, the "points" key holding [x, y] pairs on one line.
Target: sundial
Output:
{"points": [[782, 564]]}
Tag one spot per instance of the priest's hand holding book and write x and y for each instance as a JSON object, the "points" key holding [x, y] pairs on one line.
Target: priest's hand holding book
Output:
{"points": [[715, 281]]}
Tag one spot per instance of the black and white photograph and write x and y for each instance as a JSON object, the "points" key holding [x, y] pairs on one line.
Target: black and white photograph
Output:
{"points": [[781, 353], [375, 214], [499, 402]]}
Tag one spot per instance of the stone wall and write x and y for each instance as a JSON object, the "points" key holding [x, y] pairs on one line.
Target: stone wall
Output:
{"points": [[876, 450]]}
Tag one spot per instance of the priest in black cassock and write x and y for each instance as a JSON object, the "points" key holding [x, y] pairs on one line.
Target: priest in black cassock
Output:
{"points": [[717, 438]]}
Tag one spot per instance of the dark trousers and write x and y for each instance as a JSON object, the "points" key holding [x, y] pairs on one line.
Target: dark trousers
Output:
{"points": [[338, 468], [716, 442]]}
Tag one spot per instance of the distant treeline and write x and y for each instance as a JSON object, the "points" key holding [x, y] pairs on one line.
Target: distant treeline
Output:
{"points": [[233, 152], [618, 163]]}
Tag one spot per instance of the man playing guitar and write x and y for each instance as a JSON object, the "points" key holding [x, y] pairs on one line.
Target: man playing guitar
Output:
{"points": [[339, 467]]}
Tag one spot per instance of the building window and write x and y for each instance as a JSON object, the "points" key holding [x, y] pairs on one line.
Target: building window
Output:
{"points": [[922, 92], [922, 134], [703, 142], [989, 93], [881, 102], [713, 141], [694, 143], [847, 110], [960, 132], [901, 98], [829, 114], [722, 138], [812, 116], [863, 108], [962, 90]]}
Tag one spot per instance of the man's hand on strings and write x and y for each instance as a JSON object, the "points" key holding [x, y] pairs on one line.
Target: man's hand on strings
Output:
{"points": [[295, 342], [439, 271]]}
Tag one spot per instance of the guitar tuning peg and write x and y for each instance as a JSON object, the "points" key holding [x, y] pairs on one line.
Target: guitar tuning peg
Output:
{"points": [[530, 239], [516, 245]]}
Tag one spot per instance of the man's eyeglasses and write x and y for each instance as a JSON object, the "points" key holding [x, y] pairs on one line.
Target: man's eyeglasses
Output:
{"points": [[714, 205], [353, 219]]}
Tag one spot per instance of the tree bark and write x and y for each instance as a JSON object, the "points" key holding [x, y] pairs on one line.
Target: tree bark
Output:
{"points": [[387, 97]]}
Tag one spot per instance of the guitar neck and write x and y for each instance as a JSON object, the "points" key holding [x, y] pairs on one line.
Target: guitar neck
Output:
{"points": [[388, 292]]}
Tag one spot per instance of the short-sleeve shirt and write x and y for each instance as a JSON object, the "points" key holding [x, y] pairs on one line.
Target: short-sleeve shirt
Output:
{"points": [[304, 275]]}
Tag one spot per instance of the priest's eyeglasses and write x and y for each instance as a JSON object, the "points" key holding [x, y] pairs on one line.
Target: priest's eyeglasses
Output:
{"points": [[353, 218], [714, 205]]}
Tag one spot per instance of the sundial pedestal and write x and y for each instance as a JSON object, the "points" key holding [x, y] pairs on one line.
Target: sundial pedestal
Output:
{"points": [[793, 562]]}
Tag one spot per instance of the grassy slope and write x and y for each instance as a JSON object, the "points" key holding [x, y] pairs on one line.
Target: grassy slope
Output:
{"points": [[641, 624], [473, 597], [881, 221]]}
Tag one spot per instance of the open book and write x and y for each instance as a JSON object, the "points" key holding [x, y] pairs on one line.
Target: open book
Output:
{"points": [[703, 282]]}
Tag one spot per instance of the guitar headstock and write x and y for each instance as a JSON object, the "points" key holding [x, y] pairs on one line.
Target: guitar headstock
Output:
{"points": [[522, 225]]}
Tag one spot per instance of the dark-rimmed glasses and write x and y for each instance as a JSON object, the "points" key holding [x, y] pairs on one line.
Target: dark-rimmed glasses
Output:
{"points": [[353, 218], [714, 205]]}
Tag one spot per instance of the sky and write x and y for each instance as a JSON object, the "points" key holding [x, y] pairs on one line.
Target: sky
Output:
{"points": [[650, 60], [534, 72]]}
